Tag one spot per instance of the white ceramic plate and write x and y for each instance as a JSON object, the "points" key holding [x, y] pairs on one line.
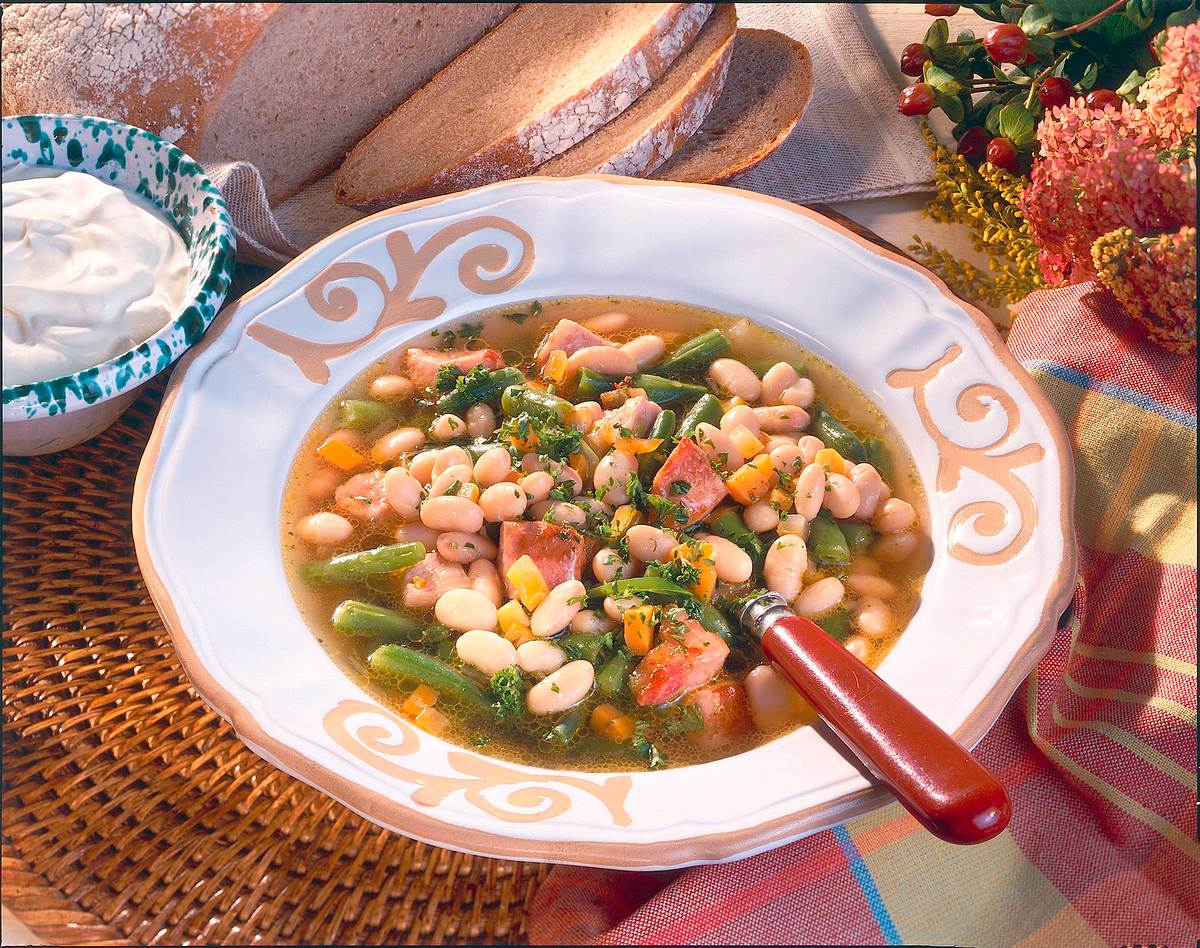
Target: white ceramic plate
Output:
{"points": [[987, 446]]}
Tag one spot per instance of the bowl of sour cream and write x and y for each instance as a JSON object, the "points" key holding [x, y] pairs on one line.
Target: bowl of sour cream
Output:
{"points": [[118, 253]]}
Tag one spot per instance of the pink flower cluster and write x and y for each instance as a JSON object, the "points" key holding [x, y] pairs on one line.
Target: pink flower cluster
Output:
{"points": [[1171, 94]]}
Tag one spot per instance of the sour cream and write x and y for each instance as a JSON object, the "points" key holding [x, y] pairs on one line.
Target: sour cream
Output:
{"points": [[90, 271]]}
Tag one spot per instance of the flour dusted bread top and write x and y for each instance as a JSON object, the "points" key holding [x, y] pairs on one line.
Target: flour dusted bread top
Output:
{"points": [[543, 80], [289, 87]]}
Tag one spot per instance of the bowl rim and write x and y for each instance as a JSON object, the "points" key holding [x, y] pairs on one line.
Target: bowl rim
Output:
{"points": [[222, 268], [720, 846]]}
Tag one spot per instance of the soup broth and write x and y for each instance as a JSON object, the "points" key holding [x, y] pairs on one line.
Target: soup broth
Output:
{"points": [[621, 473]]}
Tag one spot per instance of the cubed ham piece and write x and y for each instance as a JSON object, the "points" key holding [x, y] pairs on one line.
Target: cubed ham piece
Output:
{"points": [[689, 465], [725, 711], [425, 582], [687, 656], [362, 497], [423, 364], [558, 550], [635, 416], [570, 337]]}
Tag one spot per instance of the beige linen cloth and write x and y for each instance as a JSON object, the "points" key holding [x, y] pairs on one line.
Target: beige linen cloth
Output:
{"points": [[850, 144]]}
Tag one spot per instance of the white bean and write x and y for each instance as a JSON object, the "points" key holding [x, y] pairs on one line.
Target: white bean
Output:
{"points": [[481, 421], [448, 457], [736, 378], [398, 442], [446, 427], [612, 476], [873, 617], [562, 689], [894, 516], [464, 609], [718, 446], [607, 565], [556, 611], [649, 544], [485, 579], [322, 483], [646, 350], [560, 511], [776, 419], [391, 388], [455, 546], [784, 566], [586, 415], [787, 459], [859, 646], [615, 608], [417, 533], [487, 651], [733, 564], [607, 360], [776, 380], [895, 547], [539, 657], [865, 584], [324, 529], [792, 525], [591, 622], [777, 441], [773, 702], [809, 445], [801, 394], [741, 415], [402, 492], [607, 322], [454, 476], [563, 475], [537, 486], [531, 462], [841, 496], [452, 513], [820, 597], [761, 516], [493, 466], [810, 491], [421, 467], [870, 490], [503, 501]]}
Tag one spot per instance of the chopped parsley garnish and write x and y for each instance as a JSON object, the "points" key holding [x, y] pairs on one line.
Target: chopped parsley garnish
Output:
{"points": [[645, 748], [535, 309], [680, 571], [554, 441], [509, 690], [679, 487], [688, 719], [448, 338]]}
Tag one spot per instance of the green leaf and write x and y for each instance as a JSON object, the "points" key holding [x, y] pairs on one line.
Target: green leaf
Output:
{"points": [[966, 36], [1041, 47], [938, 34], [1035, 20], [1140, 13], [950, 55], [992, 122], [1132, 81], [1188, 14], [941, 80], [952, 106], [1018, 125], [1088, 79], [1070, 12]]}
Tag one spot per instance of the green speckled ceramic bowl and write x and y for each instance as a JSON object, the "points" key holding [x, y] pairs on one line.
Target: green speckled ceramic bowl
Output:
{"points": [[61, 412]]}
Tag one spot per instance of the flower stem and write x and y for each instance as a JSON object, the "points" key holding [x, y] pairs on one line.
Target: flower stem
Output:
{"points": [[1090, 21]]}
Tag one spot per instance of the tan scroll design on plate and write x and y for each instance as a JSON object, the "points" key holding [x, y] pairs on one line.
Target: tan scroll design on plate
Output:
{"points": [[987, 518], [339, 303], [379, 746]]}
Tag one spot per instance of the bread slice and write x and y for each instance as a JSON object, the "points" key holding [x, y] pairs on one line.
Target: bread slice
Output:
{"points": [[289, 87], [768, 85], [647, 133], [546, 78]]}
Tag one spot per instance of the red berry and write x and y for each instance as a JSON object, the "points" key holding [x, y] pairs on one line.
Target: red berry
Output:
{"points": [[941, 9], [1099, 98], [1029, 58], [917, 99], [1002, 153], [973, 144], [1055, 91], [1006, 43], [913, 58]]}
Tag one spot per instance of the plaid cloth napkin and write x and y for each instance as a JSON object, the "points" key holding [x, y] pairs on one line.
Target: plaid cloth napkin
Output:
{"points": [[1097, 748]]}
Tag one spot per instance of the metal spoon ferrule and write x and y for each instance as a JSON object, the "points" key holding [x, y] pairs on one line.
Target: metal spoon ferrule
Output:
{"points": [[758, 613]]}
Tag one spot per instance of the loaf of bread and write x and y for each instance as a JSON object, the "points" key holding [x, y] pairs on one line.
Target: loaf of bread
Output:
{"points": [[289, 87], [543, 80]]}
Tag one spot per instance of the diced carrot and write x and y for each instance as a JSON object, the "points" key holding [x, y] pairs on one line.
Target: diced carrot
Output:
{"points": [[424, 697], [779, 498], [829, 459], [637, 445], [753, 480], [699, 555], [612, 723], [746, 441], [336, 451], [623, 518], [470, 490], [555, 369], [528, 582], [578, 463], [639, 628], [514, 621], [432, 720]]}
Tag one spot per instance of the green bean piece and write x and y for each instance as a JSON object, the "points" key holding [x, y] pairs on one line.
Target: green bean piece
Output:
{"points": [[484, 388], [827, 544], [592, 384], [836, 624], [667, 391], [837, 436], [567, 727], [643, 585], [760, 366], [581, 645], [612, 675], [706, 410], [354, 617], [664, 428], [392, 661], [859, 536], [354, 567], [361, 413], [878, 458], [696, 354], [517, 399], [730, 526], [713, 619]]}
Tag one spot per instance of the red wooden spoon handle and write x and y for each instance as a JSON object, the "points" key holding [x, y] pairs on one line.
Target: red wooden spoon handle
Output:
{"points": [[933, 775]]}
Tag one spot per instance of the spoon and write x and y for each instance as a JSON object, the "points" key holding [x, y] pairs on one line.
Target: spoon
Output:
{"points": [[934, 776]]}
